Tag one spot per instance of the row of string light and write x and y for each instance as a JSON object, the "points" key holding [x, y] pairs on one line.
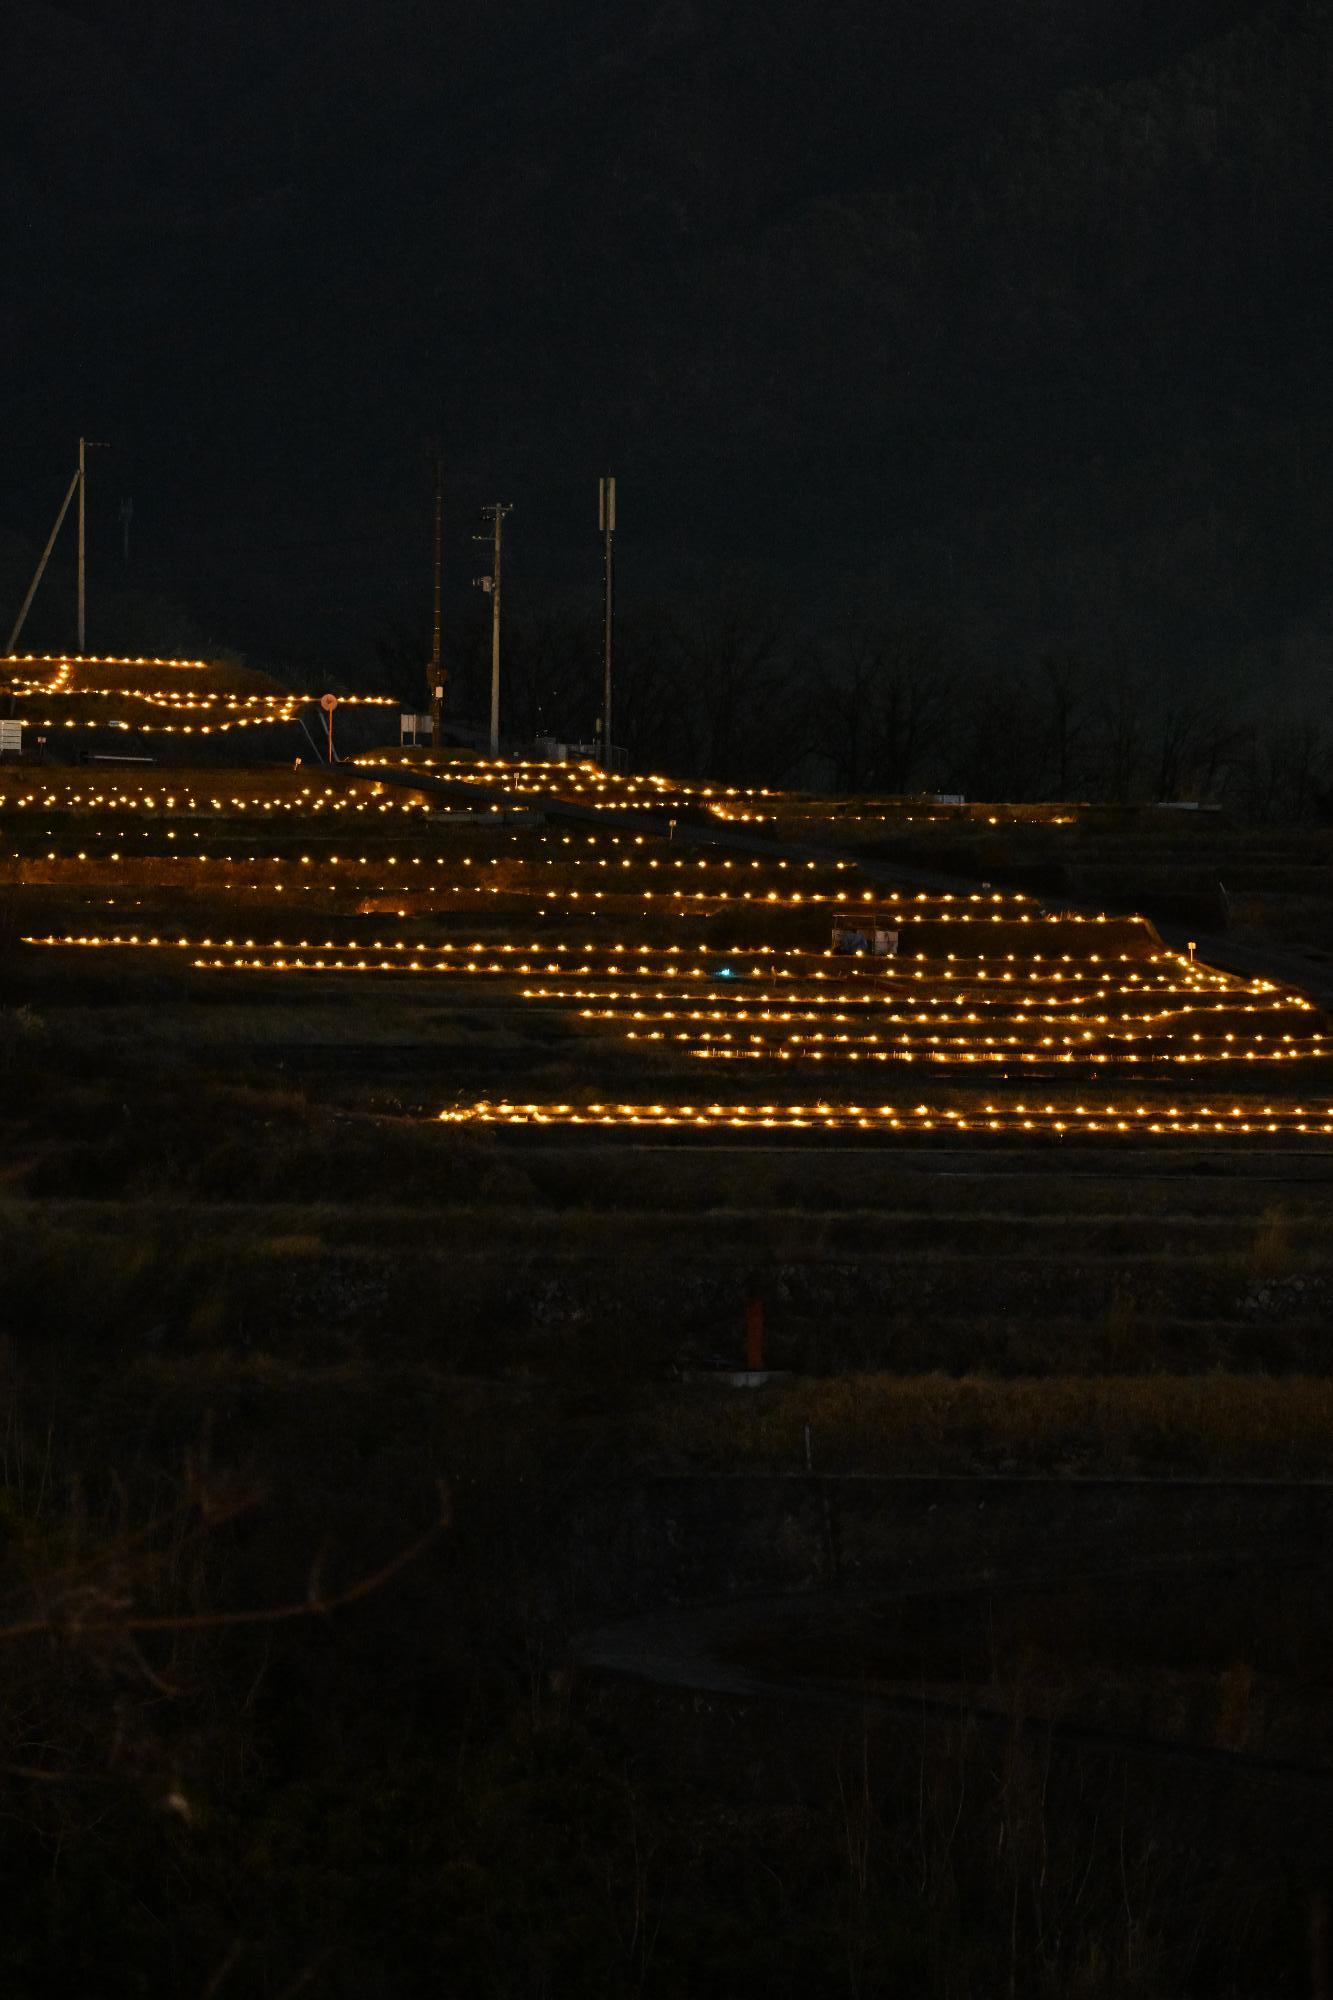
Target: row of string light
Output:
{"points": [[1170, 975], [63, 662], [579, 779], [1150, 1035], [59, 676], [307, 800], [918, 906], [1139, 1119], [894, 902], [797, 981], [590, 783]]}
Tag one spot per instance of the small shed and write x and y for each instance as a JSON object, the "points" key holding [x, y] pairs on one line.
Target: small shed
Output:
{"points": [[864, 937]]}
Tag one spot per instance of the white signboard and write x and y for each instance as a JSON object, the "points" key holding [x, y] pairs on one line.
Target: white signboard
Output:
{"points": [[11, 737]]}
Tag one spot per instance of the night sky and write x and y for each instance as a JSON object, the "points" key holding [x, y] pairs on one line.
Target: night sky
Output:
{"points": [[1014, 320]]}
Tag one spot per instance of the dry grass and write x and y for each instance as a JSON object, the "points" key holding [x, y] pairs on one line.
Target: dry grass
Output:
{"points": [[1213, 1425], [1274, 1253]]}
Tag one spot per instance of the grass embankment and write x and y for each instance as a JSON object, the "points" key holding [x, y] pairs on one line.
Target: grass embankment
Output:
{"points": [[932, 1321], [554, 1433], [1202, 1426]]}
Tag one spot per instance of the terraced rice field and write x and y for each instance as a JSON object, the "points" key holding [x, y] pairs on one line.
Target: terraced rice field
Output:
{"points": [[660, 982], [562, 1051]]}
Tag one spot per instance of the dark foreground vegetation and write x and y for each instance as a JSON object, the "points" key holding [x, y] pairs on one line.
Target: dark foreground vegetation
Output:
{"points": [[418, 1791], [247, 1383]]}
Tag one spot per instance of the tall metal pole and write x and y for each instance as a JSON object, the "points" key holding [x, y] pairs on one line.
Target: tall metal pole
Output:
{"points": [[606, 521], [492, 584], [85, 446], [436, 674], [83, 539], [495, 635]]}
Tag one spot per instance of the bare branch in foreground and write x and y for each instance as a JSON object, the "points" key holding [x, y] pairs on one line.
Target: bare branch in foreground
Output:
{"points": [[89, 1612]]}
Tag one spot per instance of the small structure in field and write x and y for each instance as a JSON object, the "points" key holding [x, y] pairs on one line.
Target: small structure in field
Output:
{"points": [[863, 937]]}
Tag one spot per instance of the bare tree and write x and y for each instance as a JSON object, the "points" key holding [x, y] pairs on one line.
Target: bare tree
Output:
{"points": [[882, 705], [998, 755], [1122, 733], [845, 689], [733, 672], [654, 720], [1287, 771], [1062, 680]]}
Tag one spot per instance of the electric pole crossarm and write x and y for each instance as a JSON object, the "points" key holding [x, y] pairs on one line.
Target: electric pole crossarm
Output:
{"points": [[46, 557]]}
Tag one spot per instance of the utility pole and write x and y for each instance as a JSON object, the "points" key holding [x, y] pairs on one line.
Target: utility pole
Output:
{"points": [[491, 583], [606, 521], [435, 673], [84, 448], [76, 484]]}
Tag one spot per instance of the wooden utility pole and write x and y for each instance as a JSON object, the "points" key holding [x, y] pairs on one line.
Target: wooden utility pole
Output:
{"points": [[435, 672], [606, 521], [491, 583]]}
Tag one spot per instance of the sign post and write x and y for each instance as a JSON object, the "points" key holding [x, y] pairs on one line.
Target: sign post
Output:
{"points": [[328, 702]]}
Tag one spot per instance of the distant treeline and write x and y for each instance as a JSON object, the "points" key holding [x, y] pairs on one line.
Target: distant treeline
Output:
{"points": [[728, 685], [723, 690]]}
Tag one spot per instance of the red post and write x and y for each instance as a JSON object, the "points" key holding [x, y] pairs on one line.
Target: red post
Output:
{"points": [[754, 1335]]}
